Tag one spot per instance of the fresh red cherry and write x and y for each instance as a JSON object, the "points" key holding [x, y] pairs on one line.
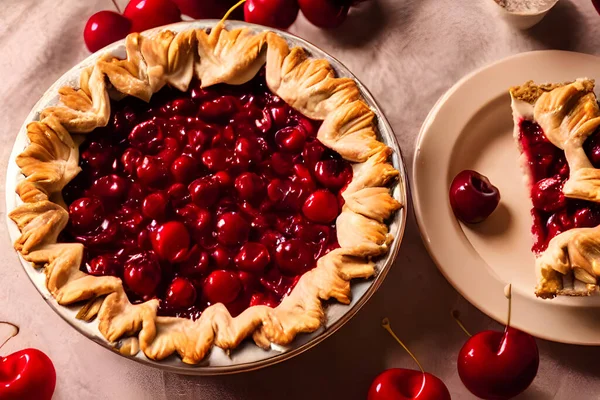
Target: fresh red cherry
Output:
{"points": [[105, 265], [86, 214], [405, 384], [142, 273], [153, 172], [155, 205], [472, 197], [327, 14], [221, 287], [232, 229], [184, 169], [171, 241], [249, 186], [290, 139], [547, 195], [322, 207], [279, 14], [181, 293], [498, 365], [333, 174], [293, 257], [204, 191], [104, 28], [206, 9], [147, 14], [27, 374], [253, 257]]}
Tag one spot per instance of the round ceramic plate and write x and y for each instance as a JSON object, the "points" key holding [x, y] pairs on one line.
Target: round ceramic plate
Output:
{"points": [[471, 127], [247, 356]]}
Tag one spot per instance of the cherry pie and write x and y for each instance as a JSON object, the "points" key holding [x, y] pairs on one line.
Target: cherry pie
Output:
{"points": [[556, 127], [218, 185]]}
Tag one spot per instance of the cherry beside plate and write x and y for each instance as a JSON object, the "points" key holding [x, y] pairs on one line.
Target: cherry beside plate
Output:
{"points": [[470, 127]]}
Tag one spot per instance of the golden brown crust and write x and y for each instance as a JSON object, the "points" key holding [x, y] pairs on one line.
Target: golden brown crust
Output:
{"points": [[310, 86]]}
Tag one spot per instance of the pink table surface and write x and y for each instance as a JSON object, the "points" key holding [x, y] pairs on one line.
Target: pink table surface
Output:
{"points": [[407, 53]]}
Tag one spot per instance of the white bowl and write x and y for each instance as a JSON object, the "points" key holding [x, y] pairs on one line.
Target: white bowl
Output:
{"points": [[522, 20]]}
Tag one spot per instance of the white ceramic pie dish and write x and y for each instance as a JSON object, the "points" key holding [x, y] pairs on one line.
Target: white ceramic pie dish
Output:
{"points": [[471, 127], [247, 356]]}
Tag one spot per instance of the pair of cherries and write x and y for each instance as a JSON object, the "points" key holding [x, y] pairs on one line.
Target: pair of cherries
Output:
{"points": [[491, 364], [106, 27]]}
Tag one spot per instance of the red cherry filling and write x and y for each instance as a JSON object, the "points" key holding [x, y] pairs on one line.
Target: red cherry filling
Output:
{"points": [[220, 194], [552, 212]]}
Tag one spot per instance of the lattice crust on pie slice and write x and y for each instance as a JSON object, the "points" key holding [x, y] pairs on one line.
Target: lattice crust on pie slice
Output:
{"points": [[568, 114], [50, 161]]}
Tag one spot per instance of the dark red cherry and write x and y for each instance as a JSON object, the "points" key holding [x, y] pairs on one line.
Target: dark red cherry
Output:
{"points": [[321, 207], [169, 151], [221, 257], [253, 257], [279, 115], [146, 136], [171, 241], [407, 384], [131, 159], [218, 109], [142, 273], [110, 187], [204, 191], [221, 287], [196, 265], [223, 178], [333, 174], [290, 139], [558, 223], [547, 195], [104, 28], [279, 14], [207, 9], [184, 169], [282, 163], [293, 257], [105, 265], [313, 152], [472, 197], [249, 186], [197, 219], [198, 141], [99, 157], [216, 159], [181, 293], [152, 172], [327, 14], [147, 14], [155, 205], [586, 218], [247, 149], [86, 214], [262, 299], [179, 195], [232, 229]]}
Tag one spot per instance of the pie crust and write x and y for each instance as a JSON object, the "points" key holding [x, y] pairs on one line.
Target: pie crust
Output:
{"points": [[309, 85], [568, 114]]}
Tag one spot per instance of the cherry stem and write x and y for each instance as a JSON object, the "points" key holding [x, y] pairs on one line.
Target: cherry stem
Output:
{"points": [[456, 316], [385, 323], [232, 9], [116, 6], [508, 294], [11, 336]]}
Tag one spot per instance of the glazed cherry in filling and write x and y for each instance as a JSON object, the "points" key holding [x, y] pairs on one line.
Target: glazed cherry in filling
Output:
{"points": [[217, 195], [552, 212]]}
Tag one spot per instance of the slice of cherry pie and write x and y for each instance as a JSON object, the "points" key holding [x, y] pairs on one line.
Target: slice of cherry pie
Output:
{"points": [[556, 128], [218, 185]]}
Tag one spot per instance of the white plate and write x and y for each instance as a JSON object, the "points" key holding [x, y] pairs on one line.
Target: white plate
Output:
{"points": [[470, 127]]}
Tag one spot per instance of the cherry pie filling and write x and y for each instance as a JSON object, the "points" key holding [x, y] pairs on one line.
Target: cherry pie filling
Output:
{"points": [[216, 195], [552, 212]]}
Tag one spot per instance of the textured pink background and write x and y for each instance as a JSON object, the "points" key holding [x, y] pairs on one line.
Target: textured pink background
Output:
{"points": [[407, 53]]}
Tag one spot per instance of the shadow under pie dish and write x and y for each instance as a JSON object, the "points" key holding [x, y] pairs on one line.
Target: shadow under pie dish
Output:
{"points": [[188, 217], [556, 128]]}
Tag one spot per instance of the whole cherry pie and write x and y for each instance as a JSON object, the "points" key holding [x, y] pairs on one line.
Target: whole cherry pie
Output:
{"points": [[218, 185], [556, 127]]}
